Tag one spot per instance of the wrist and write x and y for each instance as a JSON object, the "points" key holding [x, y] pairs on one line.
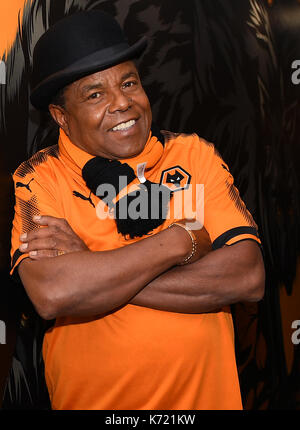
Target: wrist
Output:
{"points": [[183, 242]]}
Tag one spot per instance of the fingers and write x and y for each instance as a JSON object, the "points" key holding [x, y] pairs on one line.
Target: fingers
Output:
{"points": [[51, 221], [54, 227], [40, 233], [55, 236], [39, 244], [38, 255], [191, 223], [45, 242]]}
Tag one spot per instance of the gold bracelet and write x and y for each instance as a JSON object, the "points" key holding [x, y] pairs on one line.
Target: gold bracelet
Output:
{"points": [[194, 242]]}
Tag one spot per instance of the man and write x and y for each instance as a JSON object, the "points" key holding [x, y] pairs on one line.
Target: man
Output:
{"points": [[141, 310]]}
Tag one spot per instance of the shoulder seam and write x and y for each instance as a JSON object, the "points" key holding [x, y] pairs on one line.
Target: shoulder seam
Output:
{"points": [[37, 159]]}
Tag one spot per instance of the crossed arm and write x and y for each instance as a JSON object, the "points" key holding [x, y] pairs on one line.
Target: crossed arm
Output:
{"points": [[83, 283]]}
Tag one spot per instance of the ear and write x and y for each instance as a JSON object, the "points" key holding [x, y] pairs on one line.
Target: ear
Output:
{"points": [[59, 115]]}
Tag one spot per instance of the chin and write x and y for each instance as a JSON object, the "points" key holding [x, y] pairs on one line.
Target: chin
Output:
{"points": [[130, 153]]}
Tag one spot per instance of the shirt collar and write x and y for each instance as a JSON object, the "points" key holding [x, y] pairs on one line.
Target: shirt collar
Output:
{"points": [[76, 158]]}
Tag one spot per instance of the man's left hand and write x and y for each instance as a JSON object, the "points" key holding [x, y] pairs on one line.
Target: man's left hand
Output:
{"points": [[54, 239]]}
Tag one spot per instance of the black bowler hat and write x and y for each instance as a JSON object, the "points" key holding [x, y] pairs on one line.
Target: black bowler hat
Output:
{"points": [[76, 46]]}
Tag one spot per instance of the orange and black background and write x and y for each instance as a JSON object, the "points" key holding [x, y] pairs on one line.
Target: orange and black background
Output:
{"points": [[222, 70]]}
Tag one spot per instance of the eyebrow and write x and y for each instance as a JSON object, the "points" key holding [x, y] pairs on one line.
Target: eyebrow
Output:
{"points": [[129, 75], [99, 85]]}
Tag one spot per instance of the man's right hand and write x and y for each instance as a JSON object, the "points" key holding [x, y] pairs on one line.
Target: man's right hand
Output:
{"points": [[54, 239]]}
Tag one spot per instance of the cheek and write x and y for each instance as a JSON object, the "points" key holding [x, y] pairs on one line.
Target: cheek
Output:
{"points": [[93, 116], [89, 121], [145, 104], [97, 113]]}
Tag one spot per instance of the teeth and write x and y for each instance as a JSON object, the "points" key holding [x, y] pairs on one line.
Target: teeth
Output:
{"points": [[124, 125]]}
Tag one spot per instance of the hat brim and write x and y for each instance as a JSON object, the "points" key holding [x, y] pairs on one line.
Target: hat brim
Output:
{"points": [[42, 95]]}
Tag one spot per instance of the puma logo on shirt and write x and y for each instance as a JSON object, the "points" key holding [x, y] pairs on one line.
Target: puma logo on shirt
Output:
{"points": [[81, 196], [20, 185]]}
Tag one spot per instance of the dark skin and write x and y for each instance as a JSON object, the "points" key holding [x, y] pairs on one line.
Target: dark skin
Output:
{"points": [[98, 103], [146, 273], [208, 283]]}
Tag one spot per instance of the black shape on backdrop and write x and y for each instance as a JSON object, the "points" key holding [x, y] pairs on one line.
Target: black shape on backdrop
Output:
{"points": [[220, 69]]}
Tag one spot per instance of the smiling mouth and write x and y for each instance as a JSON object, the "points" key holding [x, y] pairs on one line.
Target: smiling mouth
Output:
{"points": [[124, 125]]}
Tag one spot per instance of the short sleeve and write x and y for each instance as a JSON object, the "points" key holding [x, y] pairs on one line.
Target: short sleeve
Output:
{"points": [[34, 195], [226, 217]]}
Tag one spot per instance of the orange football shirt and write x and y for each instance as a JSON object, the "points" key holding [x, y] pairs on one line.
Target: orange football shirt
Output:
{"points": [[136, 357]]}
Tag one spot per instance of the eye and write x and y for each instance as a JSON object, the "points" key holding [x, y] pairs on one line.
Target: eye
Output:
{"points": [[130, 84], [95, 95]]}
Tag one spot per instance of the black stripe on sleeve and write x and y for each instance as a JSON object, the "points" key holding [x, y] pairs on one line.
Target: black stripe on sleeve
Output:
{"points": [[15, 275], [15, 257], [237, 231]]}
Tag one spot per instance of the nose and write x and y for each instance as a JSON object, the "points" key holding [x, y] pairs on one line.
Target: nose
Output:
{"points": [[119, 101]]}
